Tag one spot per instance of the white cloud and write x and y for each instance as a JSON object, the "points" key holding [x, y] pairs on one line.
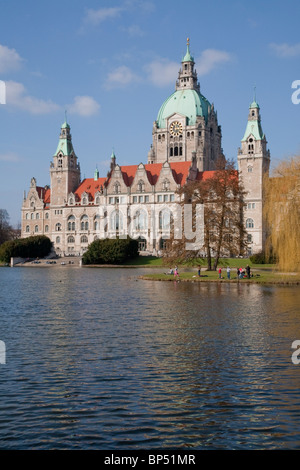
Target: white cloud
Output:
{"points": [[95, 17], [210, 59], [121, 77], [9, 157], [162, 72], [286, 50], [9, 59], [17, 96], [84, 106], [134, 31]]}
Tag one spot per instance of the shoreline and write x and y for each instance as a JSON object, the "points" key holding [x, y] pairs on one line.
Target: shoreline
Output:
{"points": [[256, 281]]}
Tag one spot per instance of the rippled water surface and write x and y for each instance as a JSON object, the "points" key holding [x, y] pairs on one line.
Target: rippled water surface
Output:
{"points": [[98, 359]]}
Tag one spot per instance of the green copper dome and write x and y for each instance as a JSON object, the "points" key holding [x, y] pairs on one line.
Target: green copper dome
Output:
{"points": [[189, 103]]}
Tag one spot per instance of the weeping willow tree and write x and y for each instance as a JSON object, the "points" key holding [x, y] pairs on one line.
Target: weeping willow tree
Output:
{"points": [[282, 214]]}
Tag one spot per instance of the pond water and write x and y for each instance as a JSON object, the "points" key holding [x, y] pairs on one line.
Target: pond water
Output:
{"points": [[99, 359]]}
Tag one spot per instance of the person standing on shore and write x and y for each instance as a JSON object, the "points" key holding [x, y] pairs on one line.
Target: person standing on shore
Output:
{"points": [[248, 271], [228, 272], [220, 273], [199, 271]]}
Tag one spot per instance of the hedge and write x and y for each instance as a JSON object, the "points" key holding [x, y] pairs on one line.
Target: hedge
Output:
{"points": [[32, 247], [111, 251]]}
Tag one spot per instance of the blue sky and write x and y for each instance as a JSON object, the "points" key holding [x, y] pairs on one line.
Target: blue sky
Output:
{"points": [[111, 64]]}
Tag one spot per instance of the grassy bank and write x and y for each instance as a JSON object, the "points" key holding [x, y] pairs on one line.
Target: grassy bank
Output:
{"points": [[152, 261], [259, 277]]}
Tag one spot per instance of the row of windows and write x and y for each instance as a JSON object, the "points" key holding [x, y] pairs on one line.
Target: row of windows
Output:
{"points": [[36, 215], [83, 239], [165, 198], [116, 223]]}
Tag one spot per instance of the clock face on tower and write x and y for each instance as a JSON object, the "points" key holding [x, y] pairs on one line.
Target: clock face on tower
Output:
{"points": [[176, 128]]}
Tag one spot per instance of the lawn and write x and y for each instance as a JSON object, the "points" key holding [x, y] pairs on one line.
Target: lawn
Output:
{"points": [[152, 261], [259, 277]]}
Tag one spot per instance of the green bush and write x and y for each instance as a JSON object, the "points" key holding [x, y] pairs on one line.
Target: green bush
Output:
{"points": [[111, 251], [31, 247], [262, 258]]}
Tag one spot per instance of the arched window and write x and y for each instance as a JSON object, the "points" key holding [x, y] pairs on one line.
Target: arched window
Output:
{"points": [[84, 223], [37, 216], [27, 229], [58, 227], [84, 239], [116, 221], [97, 200], [57, 239], [84, 200], [46, 228], [32, 216], [140, 220], [71, 223], [47, 215], [27, 216], [249, 223], [71, 201], [97, 222], [59, 163], [164, 219], [249, 238], [71, 239]]}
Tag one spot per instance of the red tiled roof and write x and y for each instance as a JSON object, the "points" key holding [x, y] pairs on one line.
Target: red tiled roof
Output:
{"points": [[47, 196], [205, 175], [44, 194], [180, 172], [90, 186]]}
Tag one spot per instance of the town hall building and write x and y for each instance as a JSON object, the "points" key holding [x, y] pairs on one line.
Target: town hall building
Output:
{"points": [[186, 144]]}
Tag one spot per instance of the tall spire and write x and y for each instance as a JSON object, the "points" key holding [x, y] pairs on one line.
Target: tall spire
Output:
{"points": [[188, 57], [187, 78]]}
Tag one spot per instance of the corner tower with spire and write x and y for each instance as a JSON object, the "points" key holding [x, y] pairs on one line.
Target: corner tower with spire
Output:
{"points": [[253, 165], [186, 127], [64, 169]]}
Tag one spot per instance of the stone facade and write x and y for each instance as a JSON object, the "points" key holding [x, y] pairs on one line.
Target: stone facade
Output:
{"points": [[141, 200], [253, 165]]}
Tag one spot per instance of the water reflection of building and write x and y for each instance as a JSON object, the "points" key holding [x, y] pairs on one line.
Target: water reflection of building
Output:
{"points": [[186, 143]]}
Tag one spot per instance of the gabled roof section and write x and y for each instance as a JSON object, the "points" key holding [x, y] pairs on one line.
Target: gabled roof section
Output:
{"points": [[180, 171], [44, 194], [90, 186]]}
